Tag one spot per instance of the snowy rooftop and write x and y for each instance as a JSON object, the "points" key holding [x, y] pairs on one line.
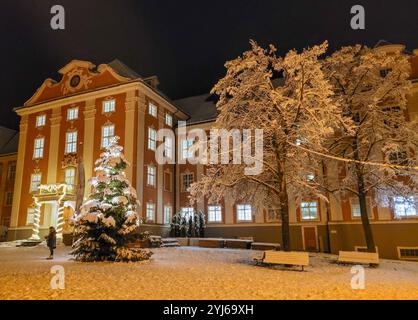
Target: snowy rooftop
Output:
{"points": [[201, 108], [9, 140]]}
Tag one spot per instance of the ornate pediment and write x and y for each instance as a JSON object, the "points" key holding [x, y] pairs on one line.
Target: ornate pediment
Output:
{"points": [[78, 77]]}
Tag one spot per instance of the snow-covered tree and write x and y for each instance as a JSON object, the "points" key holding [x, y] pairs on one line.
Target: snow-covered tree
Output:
{"points": [[294, 110], [371, 87], [108, 219]]}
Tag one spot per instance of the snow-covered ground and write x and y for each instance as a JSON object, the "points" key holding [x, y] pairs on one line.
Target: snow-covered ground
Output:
{"points": [[194, 273]]}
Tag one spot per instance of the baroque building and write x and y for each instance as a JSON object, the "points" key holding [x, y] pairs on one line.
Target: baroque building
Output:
{"points": [[70, 121]]}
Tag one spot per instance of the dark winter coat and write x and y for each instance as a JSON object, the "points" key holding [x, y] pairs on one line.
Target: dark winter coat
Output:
{"points": [[51, 241]]}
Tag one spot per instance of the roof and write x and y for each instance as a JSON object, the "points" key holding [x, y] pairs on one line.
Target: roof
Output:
{"points": [[201, 108], [123, 70], [9, 140]]}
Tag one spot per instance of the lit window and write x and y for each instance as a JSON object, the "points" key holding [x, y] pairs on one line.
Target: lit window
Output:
{"points": [[35, 182], [151, 176], [150, 211], [152, 110], [109, 106], [71, 142], [186, 181], [152, 139], [167, 214], [30, 218], [185, 146], [70, 176], [187, 212], [355, 207], [405, 207], [11, 171], [273, 215], [168, 147], [108, 132], [244, 212], [215, 214], [40, 121], [310, 177], [9, 199], [38, 151], [309, 210], [168, 120], [72, 114]]}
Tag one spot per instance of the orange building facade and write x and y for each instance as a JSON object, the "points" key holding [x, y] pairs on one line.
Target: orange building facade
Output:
{"points": [[71, 120]]}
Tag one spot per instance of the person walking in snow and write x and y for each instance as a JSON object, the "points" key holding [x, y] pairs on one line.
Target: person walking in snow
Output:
{"points": [[51, 242]]}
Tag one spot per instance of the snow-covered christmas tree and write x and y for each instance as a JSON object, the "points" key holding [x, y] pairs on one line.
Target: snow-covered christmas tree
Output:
{"points": [[108, 219]]}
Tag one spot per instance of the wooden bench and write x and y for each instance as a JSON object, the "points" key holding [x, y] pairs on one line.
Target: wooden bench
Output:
{"points": [[238, 244], [284, 258], [211, 243], [261, 246], [370, 258]]}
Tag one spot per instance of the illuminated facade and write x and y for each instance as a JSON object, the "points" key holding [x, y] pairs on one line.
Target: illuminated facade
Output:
{"points": [[71, 120]]}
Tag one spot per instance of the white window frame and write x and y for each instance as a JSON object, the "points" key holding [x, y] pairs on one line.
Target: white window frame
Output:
{"points": [[309, 205], [71, 142], [41, 121], [168, 211], [72, 114], [70, 179], [151, 175], [244, 213], [169, 120], [152, 110], [109, 106], [11, 173], [409, 207], [355, 208], [38, 149], [187, 212], [186, 181], [152, 139], [35, 182], [186, 144], [150, 211], [108, 132], [214, 214], [168, 147]]}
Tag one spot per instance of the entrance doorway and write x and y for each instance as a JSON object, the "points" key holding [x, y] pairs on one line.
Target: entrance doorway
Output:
{"points": [[310, 238]]}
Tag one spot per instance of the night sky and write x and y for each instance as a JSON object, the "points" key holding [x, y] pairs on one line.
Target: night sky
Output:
{"points": [[184, 43]]}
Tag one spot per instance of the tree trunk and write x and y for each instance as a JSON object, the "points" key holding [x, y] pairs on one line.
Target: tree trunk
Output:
{"points": [[284, 212], [371, 247]]}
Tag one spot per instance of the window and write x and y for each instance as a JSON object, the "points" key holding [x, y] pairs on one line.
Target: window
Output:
{"points": [[9, 199], [186, 181], [273, 215], [70, 176], [150, 211], [169, 120], [71, 142], [309, 210], [152, 110], [355, 208], [310, 177], [167, 181], [72, 114], [152, 139], [399, 158], [38, 151], [405, 207], [41, 121], [35, 182], [11, 171], [185, 146], [108, 132], [109, 106], [214, 214], [151, 176], [244, 212], [168, 147], [30, 217], [167, 214], [187, 212]]}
